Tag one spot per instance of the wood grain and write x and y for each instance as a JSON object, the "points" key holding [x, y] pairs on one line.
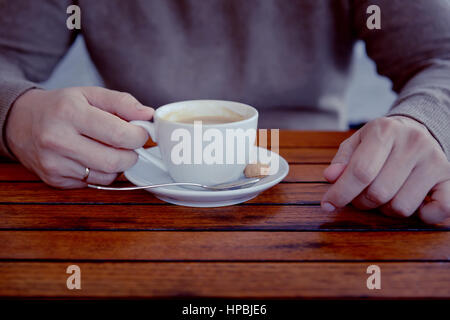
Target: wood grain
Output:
{"points": [[306, 173], [291, 154], [278, 245], [287, 193], [300, 139], [219, 245], [308, 155], [15, 172], [311, 139], [168, 217], [225, 280]]}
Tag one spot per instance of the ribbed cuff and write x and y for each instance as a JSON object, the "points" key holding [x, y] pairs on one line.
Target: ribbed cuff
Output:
{"points": [[431, 112], [9, 92]]}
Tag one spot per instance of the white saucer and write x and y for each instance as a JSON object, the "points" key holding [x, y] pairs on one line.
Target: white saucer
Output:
{"points": [[145, 173]]}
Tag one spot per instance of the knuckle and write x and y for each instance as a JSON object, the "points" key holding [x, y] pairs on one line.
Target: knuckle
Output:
{"points": [[64, 109], [106, 179], [438, 157], [68, 92], [343, 152], [126, 98], [50, 167], [53, 181], [141, 137], [132, 158], [344, 146], [417, 137], [378, 195], [112, 164], [48, 140], [334, 197], [119, 161], [119, 136], [384, 124], [380, 128], [363, 172]]}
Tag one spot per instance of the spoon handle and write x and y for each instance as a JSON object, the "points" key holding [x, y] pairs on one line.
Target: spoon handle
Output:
{"points": [[146, 187], [218, 187]]}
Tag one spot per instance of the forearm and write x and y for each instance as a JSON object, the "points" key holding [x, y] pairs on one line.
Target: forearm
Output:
{"points": [[12, 85], [33, 38], [412, 48]]}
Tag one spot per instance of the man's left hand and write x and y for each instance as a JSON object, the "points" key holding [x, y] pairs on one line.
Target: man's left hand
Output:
{"points": [[392, 163]]}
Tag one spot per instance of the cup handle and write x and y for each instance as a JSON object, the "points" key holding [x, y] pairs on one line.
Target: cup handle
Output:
{"points": [[150, 128]]}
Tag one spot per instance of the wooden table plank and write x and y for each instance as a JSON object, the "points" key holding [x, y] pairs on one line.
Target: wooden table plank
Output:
{"points": [[308, 155], [302, 139], [168, 217], [15, 172], [306, 173], [311, 139], [30, 192], [278, 245], [291, 154], [225, 280], [230, 246]]}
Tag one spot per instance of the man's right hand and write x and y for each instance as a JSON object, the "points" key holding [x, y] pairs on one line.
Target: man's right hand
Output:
{"points": [[58, 134]]}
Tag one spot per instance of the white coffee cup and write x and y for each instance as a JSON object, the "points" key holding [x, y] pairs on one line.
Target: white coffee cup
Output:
{"points": [[205, 168]]}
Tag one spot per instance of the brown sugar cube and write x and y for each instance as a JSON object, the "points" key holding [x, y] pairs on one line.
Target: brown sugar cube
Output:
{"points": [[256, 170]]}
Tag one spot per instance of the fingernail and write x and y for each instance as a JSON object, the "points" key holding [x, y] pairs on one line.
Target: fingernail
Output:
{"points": [[328, 207]]}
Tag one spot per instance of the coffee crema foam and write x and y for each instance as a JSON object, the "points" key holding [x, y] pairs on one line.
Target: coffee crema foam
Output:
{"points": [[212, 116]]}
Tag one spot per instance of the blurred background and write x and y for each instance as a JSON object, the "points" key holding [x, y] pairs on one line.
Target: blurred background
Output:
{"points": [[369, 95]]}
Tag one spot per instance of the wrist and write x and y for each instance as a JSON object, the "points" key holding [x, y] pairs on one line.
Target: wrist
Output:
{"points": [[409, 121], [13, 125]]}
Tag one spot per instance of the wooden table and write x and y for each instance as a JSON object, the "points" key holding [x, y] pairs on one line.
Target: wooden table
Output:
{"points": [[278, 245]]}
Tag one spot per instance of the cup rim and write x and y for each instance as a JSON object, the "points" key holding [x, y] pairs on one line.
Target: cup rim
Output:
{"points": [[156, 115]]}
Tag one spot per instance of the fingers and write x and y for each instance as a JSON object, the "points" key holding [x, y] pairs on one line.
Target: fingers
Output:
{"points": [[438, 209], [109, 129], [51, 168], [119, 103], [342, 158], [386, 185], [412, 193], [334, 171], [96, 156], [74, 170], [365, 164], [64, 183], [62, 172]]}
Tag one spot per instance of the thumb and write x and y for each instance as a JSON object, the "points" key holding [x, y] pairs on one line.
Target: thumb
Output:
{"points": [[438, 209], [342, 158], [122, 104]]}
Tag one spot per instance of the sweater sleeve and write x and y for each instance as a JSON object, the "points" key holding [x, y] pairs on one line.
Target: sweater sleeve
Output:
{"points": [[33, 38], [412, 48]]}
